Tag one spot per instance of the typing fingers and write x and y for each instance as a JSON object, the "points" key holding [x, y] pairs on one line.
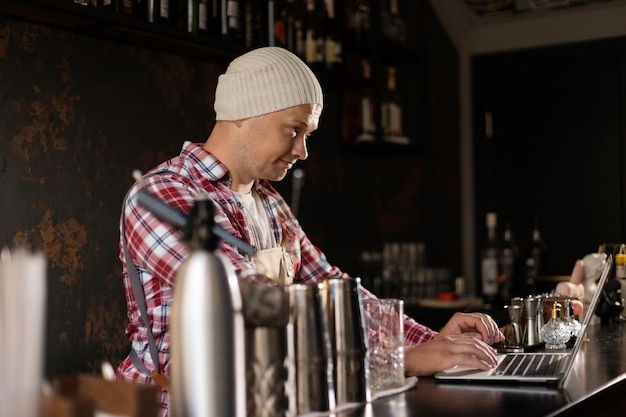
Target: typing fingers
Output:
{"points": [[470, 351]]}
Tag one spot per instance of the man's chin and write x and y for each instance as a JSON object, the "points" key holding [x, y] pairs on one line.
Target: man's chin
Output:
{"points": [[277, 177]]}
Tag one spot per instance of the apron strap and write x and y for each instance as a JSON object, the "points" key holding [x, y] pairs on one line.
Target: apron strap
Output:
{"points": [[140, 298]]}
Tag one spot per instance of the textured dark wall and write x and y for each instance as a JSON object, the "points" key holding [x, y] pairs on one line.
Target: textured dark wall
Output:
{"points": [[78, 114]]}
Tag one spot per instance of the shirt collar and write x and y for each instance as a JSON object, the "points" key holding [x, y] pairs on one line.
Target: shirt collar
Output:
{"points": [[205, 165]]}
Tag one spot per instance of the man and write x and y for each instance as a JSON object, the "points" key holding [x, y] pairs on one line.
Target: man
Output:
{"points": [[267, 104]]}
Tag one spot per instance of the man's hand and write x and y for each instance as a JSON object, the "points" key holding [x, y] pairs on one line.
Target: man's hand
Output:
{"points": [[464, 340], [444, 352]]}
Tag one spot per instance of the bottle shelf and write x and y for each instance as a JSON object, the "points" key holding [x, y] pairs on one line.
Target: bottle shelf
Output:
{"points": [[348, 77], [116, 26], [386, 115], [382, 146]]}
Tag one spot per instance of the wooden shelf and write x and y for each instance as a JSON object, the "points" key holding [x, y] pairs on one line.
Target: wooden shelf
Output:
{"points": [[382, 147], [99, 23], [65, 15], [89, 21]]}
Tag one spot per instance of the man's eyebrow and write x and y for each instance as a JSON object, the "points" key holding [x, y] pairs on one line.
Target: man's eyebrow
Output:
{"points": [[298, 123]]}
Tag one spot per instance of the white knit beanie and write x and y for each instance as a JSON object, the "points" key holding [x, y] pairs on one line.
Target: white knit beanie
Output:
{"points": [[263, 81]]}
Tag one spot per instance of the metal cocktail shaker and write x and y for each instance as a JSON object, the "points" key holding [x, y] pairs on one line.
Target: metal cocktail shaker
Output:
{"points": [[266, 314], [531, 330], [515, 316], [310, 357], [343, 305]]}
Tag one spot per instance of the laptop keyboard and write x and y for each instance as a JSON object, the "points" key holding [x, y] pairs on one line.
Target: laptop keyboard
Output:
{"points": [[529, 365]]}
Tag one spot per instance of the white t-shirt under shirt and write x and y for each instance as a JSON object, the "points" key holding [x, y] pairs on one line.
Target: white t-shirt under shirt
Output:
{"points": [[257, 220]]}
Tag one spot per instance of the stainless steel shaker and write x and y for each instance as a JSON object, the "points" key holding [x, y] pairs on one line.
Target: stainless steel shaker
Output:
{"points": [[540, 319], [310, 358], [515, 316], [519, 301], [266, 314], [531, 330], [343, 304]]}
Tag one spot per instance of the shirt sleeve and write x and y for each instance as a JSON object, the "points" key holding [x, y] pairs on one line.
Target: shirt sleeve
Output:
{"points": [[154, 245], [414, 333]]}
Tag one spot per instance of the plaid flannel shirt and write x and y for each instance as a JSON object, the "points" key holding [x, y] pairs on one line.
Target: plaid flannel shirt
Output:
{"points": [[157, 249]]}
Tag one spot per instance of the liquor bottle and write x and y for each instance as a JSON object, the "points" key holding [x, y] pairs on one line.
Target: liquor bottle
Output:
{"points": [[214, 16], [197, 16], [256, 23], [332, 44], [417, 271], [310, 45], [358, 19], [368, 126], [620, 262], [233, 16], [314, 37], [154, 8], [106, 5], [248, 19], [97, 4], [203, 16], [320, 31], [508, 261], [295, 27], [392, 270], [276, 19], [391, 111], [139, 9], [535, 260], [248, 23], [127, 7], [489, 261], [160, 11], [181, 15], [392, 25], [193, 16], [167, 12], [385, 19], [620, 268]]}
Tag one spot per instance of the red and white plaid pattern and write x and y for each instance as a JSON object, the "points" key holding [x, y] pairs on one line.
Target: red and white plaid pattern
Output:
{"points": [[157, 249]]}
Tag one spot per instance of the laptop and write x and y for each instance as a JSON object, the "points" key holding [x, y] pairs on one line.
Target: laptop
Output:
{"points": [[532, 367]]}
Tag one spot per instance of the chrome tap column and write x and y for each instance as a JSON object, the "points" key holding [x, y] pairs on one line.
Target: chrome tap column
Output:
{"points": [[207, 327]]}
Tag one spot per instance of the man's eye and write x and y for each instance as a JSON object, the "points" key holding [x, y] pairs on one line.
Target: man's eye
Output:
{"points": [[297, 131]]}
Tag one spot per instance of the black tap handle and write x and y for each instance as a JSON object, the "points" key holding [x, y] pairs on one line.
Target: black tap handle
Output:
{"points": [[181, 221], [162, 210]]}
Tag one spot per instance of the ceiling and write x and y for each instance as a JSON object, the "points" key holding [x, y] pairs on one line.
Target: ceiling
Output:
{"points": [[491, 30], [499, 7]]}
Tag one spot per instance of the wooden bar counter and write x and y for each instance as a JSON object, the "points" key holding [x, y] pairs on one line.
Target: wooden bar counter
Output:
{"points": [[596, 386]]}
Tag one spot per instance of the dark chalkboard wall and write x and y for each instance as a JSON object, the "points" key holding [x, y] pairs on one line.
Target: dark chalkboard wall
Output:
{"points": [[78, 114]]}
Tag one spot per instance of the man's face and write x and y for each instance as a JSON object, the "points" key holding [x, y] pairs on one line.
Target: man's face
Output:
{"points": [[271, 144]]}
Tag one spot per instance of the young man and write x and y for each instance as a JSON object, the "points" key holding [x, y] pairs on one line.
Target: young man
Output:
{"points": [[267, 104]]}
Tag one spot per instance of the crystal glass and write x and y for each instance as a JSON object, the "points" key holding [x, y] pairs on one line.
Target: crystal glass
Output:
{"points": [[385, 329]]}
